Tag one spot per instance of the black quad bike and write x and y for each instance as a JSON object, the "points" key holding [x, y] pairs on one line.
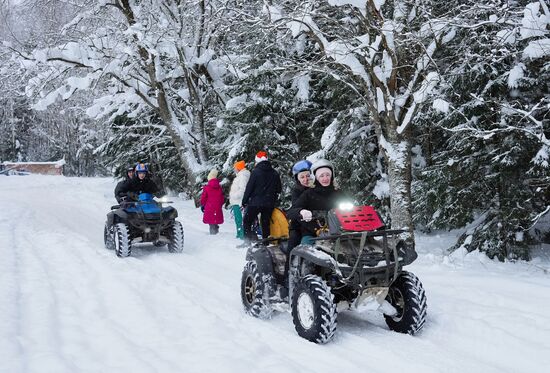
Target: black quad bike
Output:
{"points": [[354, 263], [144, 220]]}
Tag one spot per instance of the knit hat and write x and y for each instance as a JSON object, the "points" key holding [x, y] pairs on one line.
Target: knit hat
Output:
{"points": [[239, 165], [212, 174], [261, 156]]}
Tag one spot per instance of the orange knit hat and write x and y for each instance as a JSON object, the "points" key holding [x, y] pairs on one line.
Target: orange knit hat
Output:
{"points": [[239, 165]]}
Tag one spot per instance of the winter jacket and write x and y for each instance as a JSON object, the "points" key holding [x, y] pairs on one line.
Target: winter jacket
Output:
{"points": [[264, 186], [296, 192], [122, 188], [319, 198], [212, 199], [236, 192], [137, 186]]}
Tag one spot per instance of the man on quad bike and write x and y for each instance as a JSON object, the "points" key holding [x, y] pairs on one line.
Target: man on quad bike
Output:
{"points": [[124, 184], [348, 259]]}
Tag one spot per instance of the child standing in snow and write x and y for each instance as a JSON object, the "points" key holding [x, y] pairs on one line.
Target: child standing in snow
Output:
{"points": [[236, 193], [212, 201]]}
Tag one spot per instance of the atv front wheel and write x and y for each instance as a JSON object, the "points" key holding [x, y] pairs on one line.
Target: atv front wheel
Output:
{"points": [[407, 296], [313, 309], [255, 292], [108, 237], [176, 238], [123, 246]]}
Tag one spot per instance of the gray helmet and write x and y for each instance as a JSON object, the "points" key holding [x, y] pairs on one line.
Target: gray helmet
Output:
{"points": [[320, 163]]}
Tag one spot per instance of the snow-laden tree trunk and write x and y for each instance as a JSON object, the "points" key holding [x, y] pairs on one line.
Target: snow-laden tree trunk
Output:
{"points": [[397, 152]]}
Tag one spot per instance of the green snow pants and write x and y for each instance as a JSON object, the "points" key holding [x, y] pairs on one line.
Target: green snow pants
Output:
{"points": [[237, 214]]}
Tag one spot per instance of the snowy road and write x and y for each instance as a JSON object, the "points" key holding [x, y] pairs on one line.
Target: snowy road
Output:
{"points": [[69, 305]]}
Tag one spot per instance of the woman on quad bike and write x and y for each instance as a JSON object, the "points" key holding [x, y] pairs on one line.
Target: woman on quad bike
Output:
{"points": [[302, 175], [322, 197]]}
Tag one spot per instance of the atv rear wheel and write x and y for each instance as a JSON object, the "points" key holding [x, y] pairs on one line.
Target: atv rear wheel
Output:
{"points": [[108, 237], [255, 292], [407, 296], [176, 238], [313, 309], [123, 247]]}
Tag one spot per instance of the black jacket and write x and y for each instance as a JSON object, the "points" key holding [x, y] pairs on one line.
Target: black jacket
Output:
{"points": [[319, 198], [121, 189], [137, 186], [263, 187], [296, 192]]}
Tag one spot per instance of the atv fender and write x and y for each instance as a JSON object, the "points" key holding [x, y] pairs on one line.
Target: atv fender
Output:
{"points": [[313, 255], [264, 264], [262, 257], [116, 216]]}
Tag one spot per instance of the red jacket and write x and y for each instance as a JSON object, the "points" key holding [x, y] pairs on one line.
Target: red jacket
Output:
{"points": [[212, 199]]}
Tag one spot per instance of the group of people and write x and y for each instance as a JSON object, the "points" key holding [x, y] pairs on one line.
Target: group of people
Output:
{"points": [[253, 192], [256, 193]]}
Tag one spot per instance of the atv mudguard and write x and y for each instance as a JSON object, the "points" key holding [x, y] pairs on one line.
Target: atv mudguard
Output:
{"points": [[115, 216], [261, 255], [313, 255], [264, 264]]}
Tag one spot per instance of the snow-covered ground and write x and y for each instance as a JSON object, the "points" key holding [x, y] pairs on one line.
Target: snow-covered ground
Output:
{"points": [[69, 305]]}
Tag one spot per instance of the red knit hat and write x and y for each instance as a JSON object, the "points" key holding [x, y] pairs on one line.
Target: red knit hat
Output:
{"points": [[239, 165], [261, 156]]}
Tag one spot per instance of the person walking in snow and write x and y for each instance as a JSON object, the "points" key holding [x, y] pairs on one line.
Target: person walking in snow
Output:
{"points": [[260, 196], [212, 199], [302, 176], [236, 193], [123, 185]]}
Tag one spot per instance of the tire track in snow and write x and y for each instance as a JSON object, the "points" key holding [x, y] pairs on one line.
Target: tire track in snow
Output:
{"points": [[11, 350]]}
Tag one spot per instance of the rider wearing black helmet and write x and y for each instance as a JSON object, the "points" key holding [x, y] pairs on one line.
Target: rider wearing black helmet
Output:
{"points": [[123, 184]]}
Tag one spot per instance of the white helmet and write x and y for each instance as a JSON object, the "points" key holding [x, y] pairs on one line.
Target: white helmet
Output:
{"points": [[320, 163]]}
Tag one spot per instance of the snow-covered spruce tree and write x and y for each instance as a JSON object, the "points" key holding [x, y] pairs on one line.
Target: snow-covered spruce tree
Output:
{"points": [[143, 139], [387, 49], [139, 56], [487, 160]]}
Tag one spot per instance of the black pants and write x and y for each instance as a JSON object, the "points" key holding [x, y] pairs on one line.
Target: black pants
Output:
{"points": [[251, 214], [294, 238]]}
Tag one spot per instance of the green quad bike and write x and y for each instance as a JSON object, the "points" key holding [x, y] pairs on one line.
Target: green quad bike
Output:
{"points": [[354, 263]]}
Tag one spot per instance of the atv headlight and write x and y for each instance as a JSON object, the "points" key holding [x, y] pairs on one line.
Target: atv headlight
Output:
{"points": [[164, 199], [345, 206]]}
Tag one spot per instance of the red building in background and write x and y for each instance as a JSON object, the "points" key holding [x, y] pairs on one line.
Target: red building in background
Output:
{"points": [[43, 168]]}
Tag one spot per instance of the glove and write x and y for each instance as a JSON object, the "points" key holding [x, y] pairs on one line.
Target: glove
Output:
{"points": [[306, 215], [202, 208], [132, 195]]}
